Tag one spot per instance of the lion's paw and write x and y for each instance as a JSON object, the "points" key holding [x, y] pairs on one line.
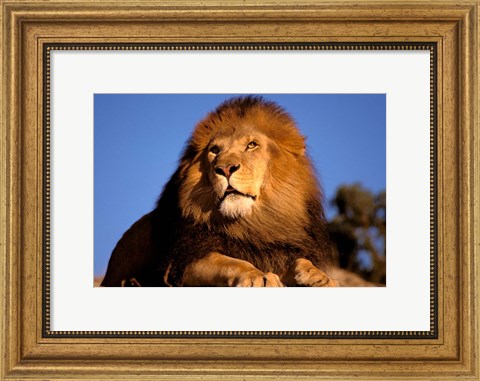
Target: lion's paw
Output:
{"points": [[256, 278], [306, 274], [315, 278]]}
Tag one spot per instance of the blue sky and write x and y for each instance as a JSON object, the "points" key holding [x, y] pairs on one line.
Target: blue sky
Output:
{"points": [[139, 137]]}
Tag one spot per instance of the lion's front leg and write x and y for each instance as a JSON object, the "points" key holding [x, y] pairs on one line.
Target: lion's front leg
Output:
{"points": [[304, 273], [216, 269]]}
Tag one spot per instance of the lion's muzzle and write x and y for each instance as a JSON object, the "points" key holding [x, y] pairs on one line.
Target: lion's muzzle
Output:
{"points": [[226, 170]]}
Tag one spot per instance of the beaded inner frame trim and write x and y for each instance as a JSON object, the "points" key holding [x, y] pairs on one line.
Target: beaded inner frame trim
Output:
{"points": [[46, 301]]}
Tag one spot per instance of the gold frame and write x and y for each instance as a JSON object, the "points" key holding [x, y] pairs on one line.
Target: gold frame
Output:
{"points": [[28, 25], [371, 46]]}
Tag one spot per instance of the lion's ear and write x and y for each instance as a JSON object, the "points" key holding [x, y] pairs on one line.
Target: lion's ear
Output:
{"points": [[296, 147], [201, 136], [301, 151], [287, 136]]}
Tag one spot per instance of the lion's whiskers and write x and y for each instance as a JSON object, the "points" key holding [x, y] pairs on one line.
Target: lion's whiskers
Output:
{"points": [[204, 191]]}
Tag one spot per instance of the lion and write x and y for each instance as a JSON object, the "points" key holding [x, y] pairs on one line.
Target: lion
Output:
{"points": [[244, 208]]}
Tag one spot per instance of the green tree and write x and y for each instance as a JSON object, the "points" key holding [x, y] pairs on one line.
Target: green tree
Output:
{"points": [[359, 231]]}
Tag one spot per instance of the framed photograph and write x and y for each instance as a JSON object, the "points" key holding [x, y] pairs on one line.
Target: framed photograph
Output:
{"points": [[157, 154]]}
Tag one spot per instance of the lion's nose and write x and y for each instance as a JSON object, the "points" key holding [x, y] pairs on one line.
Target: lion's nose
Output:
{"points": [[227, 170]]}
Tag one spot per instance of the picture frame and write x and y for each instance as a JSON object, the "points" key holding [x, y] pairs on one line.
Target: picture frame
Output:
{"points": [[29, 352]]}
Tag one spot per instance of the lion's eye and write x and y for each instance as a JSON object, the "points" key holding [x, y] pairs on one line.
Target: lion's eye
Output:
{"points": [[252, 145], [215, 150]]}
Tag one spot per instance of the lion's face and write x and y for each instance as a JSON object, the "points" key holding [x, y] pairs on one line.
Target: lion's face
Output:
{"points": [[237, 164], [245, 171]]}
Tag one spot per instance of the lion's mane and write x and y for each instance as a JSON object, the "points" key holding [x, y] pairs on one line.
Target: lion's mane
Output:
{"points": [[289, 222]]}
